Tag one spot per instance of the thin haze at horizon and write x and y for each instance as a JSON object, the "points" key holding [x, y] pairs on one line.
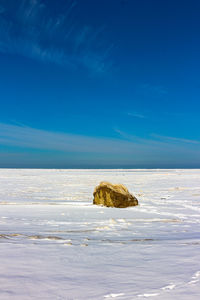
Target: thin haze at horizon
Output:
{"points": [[99, 84]]}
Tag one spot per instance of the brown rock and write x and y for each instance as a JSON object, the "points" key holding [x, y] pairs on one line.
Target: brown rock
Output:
{"points": [[113, 195]]}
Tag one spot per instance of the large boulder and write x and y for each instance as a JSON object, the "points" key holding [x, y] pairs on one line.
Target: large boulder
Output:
{"points": [[113, 195]]}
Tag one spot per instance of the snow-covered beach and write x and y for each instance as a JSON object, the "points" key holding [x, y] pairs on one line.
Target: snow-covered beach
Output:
{"points": [[55, 244]]}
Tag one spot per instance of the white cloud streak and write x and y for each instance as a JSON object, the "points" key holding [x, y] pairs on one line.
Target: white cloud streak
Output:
{"points": [[136, 115], [175, 139], [33, 30], [153, 90], [22, 136], [127, 148]]}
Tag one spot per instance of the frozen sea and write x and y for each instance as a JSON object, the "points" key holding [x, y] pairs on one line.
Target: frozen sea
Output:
{"points": [[55, 244]]}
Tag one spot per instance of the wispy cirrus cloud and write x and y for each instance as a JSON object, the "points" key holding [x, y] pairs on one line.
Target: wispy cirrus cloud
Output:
{"points": [[156, 139], [153, 90], [175, 139], [23, 136], [136, 115], [126, 150], [48, 32]]}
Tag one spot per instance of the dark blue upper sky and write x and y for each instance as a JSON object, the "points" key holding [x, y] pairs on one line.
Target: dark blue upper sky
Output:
{"points": [[98, 83]]}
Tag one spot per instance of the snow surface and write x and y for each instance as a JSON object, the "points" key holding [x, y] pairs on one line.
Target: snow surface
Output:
{"points": [[54, 244]]}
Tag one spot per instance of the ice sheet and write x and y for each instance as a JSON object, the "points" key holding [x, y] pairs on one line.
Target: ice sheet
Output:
{"points": [[54, 244]]}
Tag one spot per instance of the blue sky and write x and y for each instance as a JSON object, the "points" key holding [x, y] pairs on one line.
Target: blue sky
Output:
{"points": [[99, 84]]}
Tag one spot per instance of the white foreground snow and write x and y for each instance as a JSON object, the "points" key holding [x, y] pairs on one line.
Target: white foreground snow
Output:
{"points": [[54, 244]]}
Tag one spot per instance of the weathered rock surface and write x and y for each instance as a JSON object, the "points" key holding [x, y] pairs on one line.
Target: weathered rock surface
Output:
{"points": [[113, 195]]}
